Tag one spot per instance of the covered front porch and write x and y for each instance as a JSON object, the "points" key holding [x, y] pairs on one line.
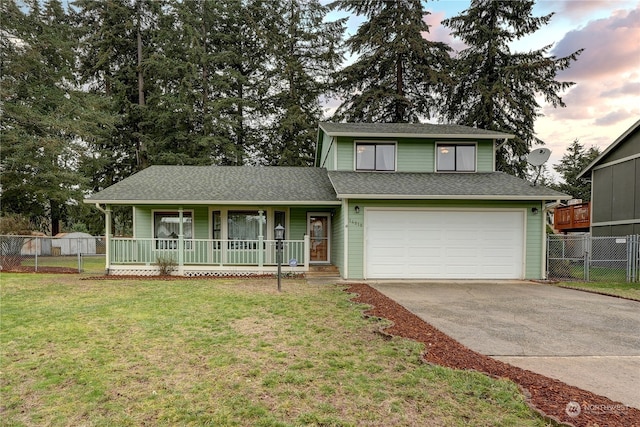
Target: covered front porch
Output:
{"points": [[205, 257]]}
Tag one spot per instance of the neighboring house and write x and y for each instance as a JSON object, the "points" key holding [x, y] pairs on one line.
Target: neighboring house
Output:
{"points": [[615, 186], [384, 201]]}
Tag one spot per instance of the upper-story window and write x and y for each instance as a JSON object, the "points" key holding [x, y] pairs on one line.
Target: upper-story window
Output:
{"points": [[456, 157], [372, 156]]}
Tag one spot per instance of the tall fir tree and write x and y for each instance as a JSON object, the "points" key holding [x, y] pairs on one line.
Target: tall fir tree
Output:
{"points": [[574, 161], [243, 54], [185, 69], [496, 89], [398, 73], [116, 38], [305, 48], [46, 119]]}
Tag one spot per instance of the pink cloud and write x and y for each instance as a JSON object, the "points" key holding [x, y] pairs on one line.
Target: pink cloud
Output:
{"points": [[440, 33], [578, 99], [627, 88], [611, 46], [572, 9], [614, 117]]}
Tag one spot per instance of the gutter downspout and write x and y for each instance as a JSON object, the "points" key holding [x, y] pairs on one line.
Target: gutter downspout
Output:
{"points": [[107, 232]]}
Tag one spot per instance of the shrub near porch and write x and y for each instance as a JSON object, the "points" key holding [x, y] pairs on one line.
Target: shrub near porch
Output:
{"points": [[224, 352]]}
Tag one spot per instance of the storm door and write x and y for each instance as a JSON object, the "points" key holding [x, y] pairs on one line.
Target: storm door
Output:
{"points": [[318, 229]]}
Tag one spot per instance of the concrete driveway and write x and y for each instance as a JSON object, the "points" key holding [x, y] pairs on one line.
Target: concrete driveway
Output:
{"points": [[586, 340]]}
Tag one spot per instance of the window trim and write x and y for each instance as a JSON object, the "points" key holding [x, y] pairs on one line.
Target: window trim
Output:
{"points": [[375, 143], [456, 144]]}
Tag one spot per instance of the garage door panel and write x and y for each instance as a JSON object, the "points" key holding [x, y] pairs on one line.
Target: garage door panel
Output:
{"points": [[444, 244]]}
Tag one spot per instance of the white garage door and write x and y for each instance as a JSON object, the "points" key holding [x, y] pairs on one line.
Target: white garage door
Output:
{"points": [[444, 244]]}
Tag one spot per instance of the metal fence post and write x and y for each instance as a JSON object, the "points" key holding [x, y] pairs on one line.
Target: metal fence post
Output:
{"points": [[586, 257], [79, 256], [633, 258]]}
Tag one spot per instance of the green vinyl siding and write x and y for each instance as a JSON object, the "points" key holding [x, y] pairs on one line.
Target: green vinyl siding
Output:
{"points": [[534, 245], [413, 154], [533, 236], [484, 157], [297, 223], [345, 154], [337, 240]]}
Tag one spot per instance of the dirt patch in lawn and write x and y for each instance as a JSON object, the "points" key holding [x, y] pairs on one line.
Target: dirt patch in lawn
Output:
{"points": [[554, 399]]}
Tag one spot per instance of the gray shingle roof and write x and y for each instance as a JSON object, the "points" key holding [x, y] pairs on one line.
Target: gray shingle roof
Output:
{"points": [[427, 130], [300, 185], [220, 184], [397, 185]]}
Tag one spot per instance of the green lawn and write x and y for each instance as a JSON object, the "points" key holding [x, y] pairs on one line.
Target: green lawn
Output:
{"points": [[621, 288], [222, 353]]}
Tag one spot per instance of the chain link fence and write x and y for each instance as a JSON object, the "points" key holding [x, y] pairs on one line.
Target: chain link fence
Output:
{"points": [[597, 259], [69, 253]]}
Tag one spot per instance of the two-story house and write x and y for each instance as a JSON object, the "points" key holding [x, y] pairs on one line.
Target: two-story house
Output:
{"points": [[384, 201]]}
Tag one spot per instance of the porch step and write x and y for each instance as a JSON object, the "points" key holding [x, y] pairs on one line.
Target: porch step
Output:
{"points": [[322, 271]]}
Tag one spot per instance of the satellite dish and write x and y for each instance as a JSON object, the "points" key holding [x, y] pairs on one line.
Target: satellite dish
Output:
{"points": [[538, 156]]}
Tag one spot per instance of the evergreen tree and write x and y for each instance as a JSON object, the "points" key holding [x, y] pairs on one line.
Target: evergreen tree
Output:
{"points": [[574, 161], [496, 89], [398, 73], [305, 51], [184, 67], [115, 40], [45, 119], [241, 109]]}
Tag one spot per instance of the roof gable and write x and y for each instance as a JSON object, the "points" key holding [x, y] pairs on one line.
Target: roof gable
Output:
{"points": [[611, 148]]}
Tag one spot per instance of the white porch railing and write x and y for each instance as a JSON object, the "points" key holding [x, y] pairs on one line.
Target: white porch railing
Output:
{"points": [[206, 252]]}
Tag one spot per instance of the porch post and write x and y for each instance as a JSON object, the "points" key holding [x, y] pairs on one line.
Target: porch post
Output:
{"points": [[180, 241], [260, 240], [107, 243], [307, 253]]}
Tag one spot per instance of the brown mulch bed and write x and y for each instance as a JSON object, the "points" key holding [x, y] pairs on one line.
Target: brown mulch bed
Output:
{"points": [[546, 395]]}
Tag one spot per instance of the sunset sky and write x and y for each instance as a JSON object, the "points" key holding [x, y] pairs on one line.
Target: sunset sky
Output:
{"points": [[605, 100]]}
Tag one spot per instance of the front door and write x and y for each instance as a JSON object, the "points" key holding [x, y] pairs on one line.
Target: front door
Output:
{"points": [[318, 226]]}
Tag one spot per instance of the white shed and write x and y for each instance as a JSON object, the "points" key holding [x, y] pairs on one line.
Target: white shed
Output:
{"points": [[71, 243]]}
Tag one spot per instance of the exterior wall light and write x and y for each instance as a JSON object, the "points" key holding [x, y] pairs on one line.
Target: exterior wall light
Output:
{"points": [[357, 209], [534, 211], [279, 232]]}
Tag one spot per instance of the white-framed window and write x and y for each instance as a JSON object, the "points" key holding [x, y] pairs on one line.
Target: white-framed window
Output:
{"points": [[456, 157], [376, 156], [166, 228], [242, 223], [245, 224]]}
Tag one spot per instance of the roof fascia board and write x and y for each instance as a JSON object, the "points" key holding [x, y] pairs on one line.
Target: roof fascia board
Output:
{"points": [[447, 197], [619, 222], [419, 135], [615, 162], [214, 202], [414, 135]]}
